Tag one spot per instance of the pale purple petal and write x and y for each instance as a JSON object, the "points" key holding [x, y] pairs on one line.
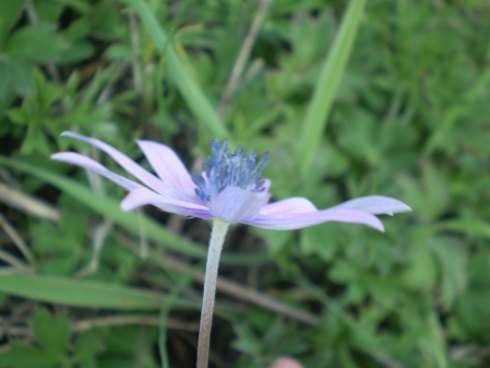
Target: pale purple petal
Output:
{"points": [[169, 168], [92, 165], [377, 205], [143, 196], [301, 220], [288, 206], [235, 204], [129, 165]]}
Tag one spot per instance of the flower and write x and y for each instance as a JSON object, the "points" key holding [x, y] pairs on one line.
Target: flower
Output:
{"points": [[230, 188]]}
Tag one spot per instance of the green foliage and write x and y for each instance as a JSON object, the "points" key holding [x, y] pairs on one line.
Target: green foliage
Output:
{"points": [[350, 99], [52, 336], [260, 345], [83, 293]]}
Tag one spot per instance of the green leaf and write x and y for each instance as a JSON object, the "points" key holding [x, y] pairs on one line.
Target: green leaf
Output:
{"points": [[37, 43], [15, 77], [49, 238], [10, 12], [328, 82], [77, 46], [25, 356], [35, 141], [246, 342], [421, 273], [453, 262], [433, 345], [52, 332], [50, 11], [473, 306], [471, 227], [87, 294], [87, 345], [471, 317], [318, 240], [59, 248]]}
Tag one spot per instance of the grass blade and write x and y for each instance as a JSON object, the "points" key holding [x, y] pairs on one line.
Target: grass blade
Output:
{"points": [[180, 285], [330, 76], [190, 90], [87, 294]]}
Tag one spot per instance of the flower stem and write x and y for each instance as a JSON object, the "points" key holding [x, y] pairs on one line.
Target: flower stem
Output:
{"points": [[218, 235]]}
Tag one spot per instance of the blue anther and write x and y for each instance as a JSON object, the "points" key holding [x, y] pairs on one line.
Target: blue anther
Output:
{"points": [[223, 168]]}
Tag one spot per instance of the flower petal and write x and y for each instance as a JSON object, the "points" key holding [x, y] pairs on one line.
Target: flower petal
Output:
{"points": [[295, 221], [235, 204], [377, 205], [92, 165], [143, 196], [129, 165], [169, 167], [288, 206]]}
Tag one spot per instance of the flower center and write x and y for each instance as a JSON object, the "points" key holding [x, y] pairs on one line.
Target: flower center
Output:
{"points": [[223, 169]]}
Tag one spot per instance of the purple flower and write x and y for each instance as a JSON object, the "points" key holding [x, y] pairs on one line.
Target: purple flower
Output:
{"points": [[230, 188]]}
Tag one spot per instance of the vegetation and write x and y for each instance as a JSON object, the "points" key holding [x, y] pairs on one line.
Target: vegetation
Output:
{"points": [[350, 99]]}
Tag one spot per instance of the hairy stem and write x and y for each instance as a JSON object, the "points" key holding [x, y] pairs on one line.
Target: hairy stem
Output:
{"points": [[218, 235]]}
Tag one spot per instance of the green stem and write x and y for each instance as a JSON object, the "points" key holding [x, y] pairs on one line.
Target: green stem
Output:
{"points": [[218, 235]]}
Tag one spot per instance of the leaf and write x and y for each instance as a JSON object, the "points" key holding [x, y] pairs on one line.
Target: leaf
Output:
{"points": [[453, 261], [37, 43], [61, 238], [59, 248], [15, 77], [246, 341], [10, 12], [87, 345], [25, 356], [435, 191], [421, 273], [328, 82], [428, 197], [347, 273], [52, 332], [318, 240], [51, 11], [35, 141], [471, 318], [77, 47], [88, 294], [433, 344], [471, 227]]}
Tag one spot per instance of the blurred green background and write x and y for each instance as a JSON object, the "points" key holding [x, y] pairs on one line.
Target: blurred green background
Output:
{"points": [[350, 99]]}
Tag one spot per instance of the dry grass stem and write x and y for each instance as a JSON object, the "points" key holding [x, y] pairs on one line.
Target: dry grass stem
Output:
{"points": [[28, 204]]}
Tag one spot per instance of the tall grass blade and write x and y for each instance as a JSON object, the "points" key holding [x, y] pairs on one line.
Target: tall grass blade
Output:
{"points": [[85, 294], [192, 93], [330, 76]]}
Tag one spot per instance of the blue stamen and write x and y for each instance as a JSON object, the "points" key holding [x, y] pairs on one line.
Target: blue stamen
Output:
{"points": [[223, 169]]}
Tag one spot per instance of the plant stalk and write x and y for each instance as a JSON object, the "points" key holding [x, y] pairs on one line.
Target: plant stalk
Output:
{"points": [[218, 235]]}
